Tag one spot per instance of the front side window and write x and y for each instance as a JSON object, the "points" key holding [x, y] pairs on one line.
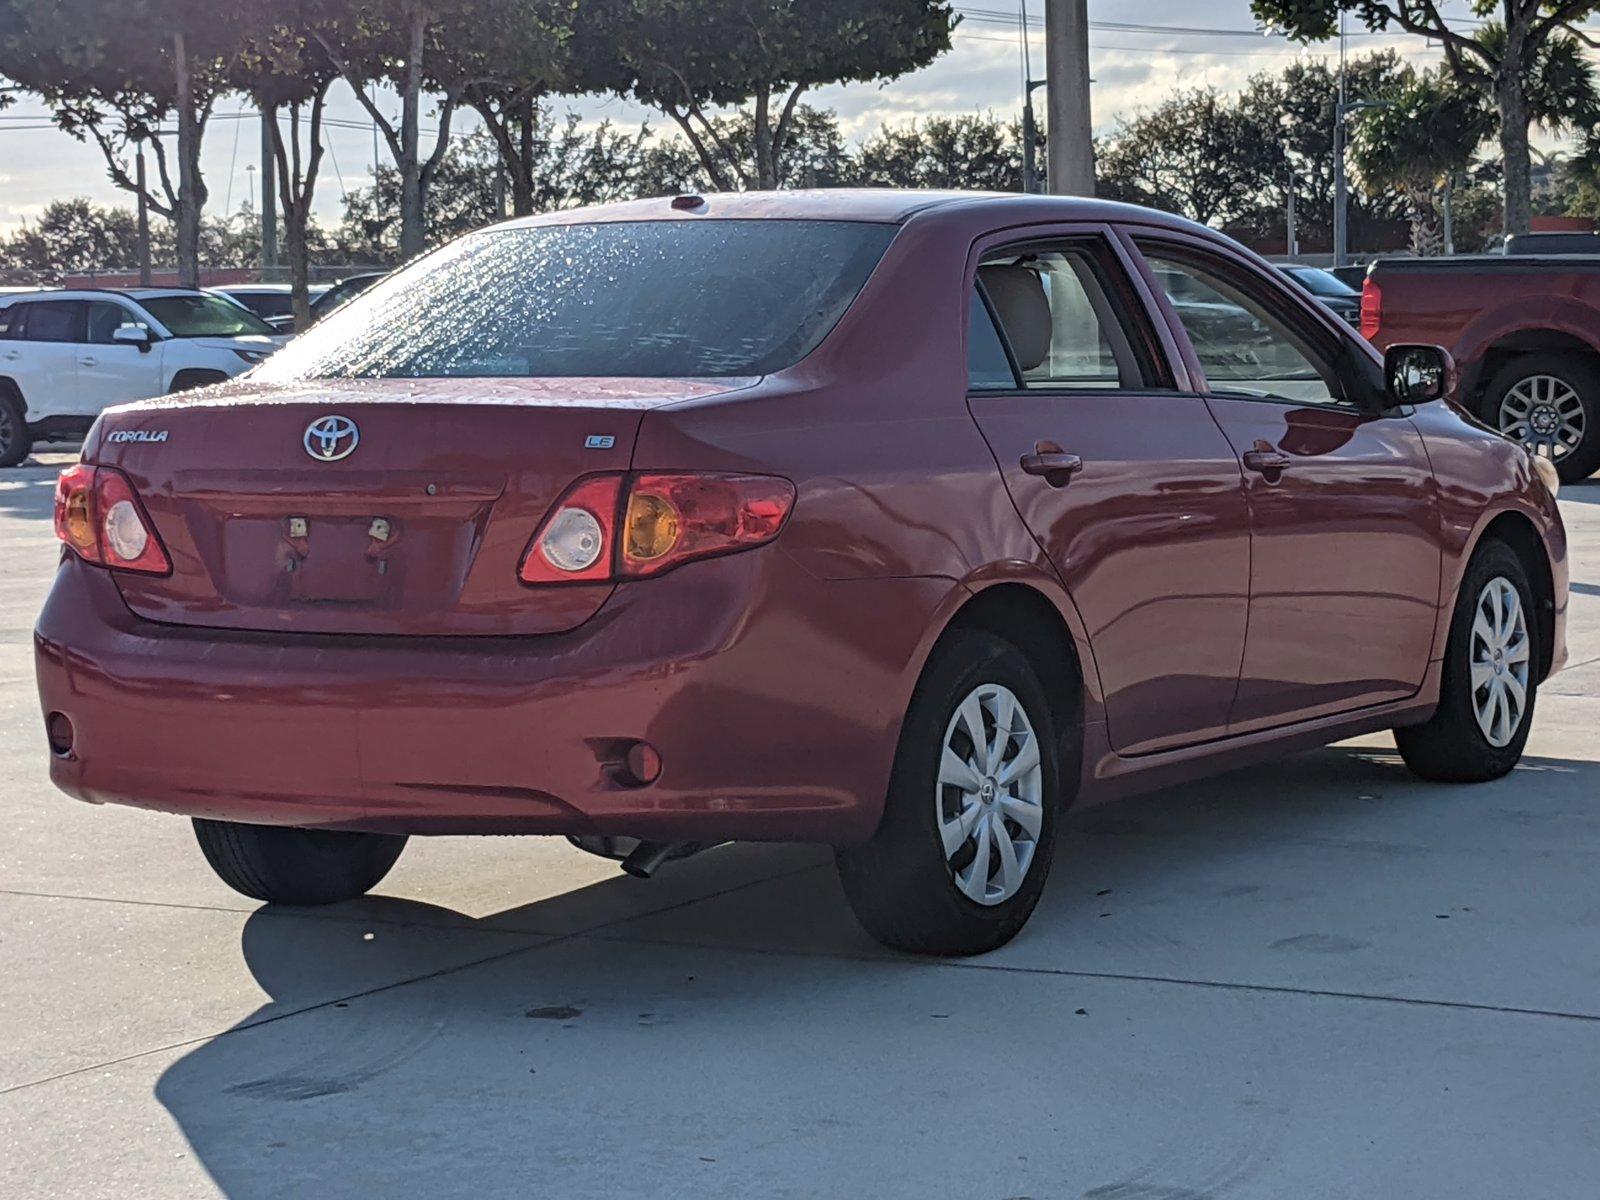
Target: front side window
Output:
{"points": [[650, 299], [197, 315], [105, 318], [50, 321], [1054, 310], [1244, 348]]}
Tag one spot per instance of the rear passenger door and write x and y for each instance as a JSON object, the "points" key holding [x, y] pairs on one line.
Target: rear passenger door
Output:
{"points": [[1345, 557], [1126, 482], [40, 354]]}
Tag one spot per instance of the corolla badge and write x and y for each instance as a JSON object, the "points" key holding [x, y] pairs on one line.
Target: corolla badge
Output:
{"points": [[328, 439]]}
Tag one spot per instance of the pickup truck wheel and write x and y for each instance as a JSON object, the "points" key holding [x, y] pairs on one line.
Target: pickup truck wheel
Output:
{"points": [[1490, 677], [296, 866], [15, 441], [1551, 404], [961, 855]]}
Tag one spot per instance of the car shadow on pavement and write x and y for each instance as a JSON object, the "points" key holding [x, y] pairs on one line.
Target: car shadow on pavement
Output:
{"points": [[626, 1052]]}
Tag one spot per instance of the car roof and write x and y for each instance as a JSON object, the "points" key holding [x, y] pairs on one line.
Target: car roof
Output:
{"points": [[891, 206]]}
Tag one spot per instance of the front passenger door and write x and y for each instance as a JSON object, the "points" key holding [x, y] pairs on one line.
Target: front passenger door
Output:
{"points": [[1345, 556], [1126, 483], [113, 372]]}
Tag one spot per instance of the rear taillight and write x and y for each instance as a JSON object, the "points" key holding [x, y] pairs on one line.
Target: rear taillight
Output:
{"points": [[100, 519], [1371, 308], [609, 527]]}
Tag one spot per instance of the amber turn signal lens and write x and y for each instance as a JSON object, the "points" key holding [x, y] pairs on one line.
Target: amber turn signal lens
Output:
{"points": [[75, 510], [653, 526]]}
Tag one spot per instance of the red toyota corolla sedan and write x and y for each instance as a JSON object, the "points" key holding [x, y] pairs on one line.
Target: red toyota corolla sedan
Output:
{"points": [[896, 521]]}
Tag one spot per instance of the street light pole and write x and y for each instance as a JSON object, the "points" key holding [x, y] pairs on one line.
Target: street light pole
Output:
{"points": [[1071, 132], [1341, 188], [1030, 138]]}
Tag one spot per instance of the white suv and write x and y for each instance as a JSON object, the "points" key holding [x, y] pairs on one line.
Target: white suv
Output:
{"points": [[65, 355]]}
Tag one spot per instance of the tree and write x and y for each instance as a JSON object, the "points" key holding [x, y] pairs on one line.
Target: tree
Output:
{"points": [[446, 46], [71, 236], [689, 57], [1500, 61], [1423, 135], [287, 73], [1296, 108], [571, 166], [975, 150], [117, 81], [1197, 154]]}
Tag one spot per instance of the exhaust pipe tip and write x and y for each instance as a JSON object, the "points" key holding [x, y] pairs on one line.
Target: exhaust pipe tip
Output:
{"points": [[647, 858]]}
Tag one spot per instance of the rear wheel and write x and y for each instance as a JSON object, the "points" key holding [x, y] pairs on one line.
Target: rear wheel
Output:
{"points": [[16, 443], [1490, 677], [961, 855], [1551, 404], [297, 866]]}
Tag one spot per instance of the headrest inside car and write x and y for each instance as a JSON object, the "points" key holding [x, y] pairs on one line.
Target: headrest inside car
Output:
{"points": [[1019, 299]]}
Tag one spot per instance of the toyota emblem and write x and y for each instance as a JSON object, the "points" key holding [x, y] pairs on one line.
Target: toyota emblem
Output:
{"points": [[328, 439]]}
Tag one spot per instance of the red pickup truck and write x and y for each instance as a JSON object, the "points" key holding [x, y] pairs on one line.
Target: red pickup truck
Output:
{"points": [[1524, 331]]}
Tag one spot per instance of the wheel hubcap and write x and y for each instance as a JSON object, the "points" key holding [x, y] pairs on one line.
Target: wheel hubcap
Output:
{"points": [[989, 798], [1500, 659], [1545, 414]]}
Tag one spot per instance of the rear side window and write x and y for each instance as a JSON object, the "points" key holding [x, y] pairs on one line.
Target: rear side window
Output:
{"points": [[50, 321], [1058, 320], [698, 298], [988, 367]]}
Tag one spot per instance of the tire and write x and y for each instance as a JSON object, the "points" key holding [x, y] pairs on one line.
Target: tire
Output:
{"points": [[296, 866], [903, 886], [194, 377], [1454, 746], [16, 443], [1550, 402]]}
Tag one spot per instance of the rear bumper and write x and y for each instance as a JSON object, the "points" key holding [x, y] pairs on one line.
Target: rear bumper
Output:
{"points": [[774, 699]]}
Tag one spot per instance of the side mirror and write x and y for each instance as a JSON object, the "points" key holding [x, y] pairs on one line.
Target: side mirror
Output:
{"points": [[136, 335], [1418, 374]]}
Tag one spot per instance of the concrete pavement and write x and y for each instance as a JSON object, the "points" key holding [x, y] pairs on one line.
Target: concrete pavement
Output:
{"points": [[1320, 978]]}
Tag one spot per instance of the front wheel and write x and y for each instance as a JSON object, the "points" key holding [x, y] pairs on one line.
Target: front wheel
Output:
{"points": [[961, 855], [1490, 677], [282, 865]]}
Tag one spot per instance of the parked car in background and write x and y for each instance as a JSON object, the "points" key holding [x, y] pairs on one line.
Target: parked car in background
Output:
{"points": [[272, 302], [1525, 332], [66, 355], [342, 292], [895, 521], [1328, 288]]}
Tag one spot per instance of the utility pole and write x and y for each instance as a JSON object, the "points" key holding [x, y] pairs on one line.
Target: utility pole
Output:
{"points": [[1294, 237], [1070, 132], [144, 216], [1341, 187], [269, 199]]}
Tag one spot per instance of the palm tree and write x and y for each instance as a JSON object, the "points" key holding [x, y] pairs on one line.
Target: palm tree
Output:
{"points": [[1417, 137]]}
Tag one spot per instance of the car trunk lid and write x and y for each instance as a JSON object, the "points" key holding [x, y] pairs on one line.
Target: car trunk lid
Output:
{"points": [[370, 507]]}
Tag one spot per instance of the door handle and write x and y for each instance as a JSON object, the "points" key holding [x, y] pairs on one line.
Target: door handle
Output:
{"points": [[1268, 462], [12, 355], [87, 362], [1054, 464]]}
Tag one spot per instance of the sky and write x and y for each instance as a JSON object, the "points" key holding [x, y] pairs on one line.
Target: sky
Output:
{"points": [[1140, 51]]}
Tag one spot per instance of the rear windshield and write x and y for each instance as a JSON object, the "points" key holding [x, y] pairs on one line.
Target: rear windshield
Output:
{"points": [[204, 316], [644, 299]]}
